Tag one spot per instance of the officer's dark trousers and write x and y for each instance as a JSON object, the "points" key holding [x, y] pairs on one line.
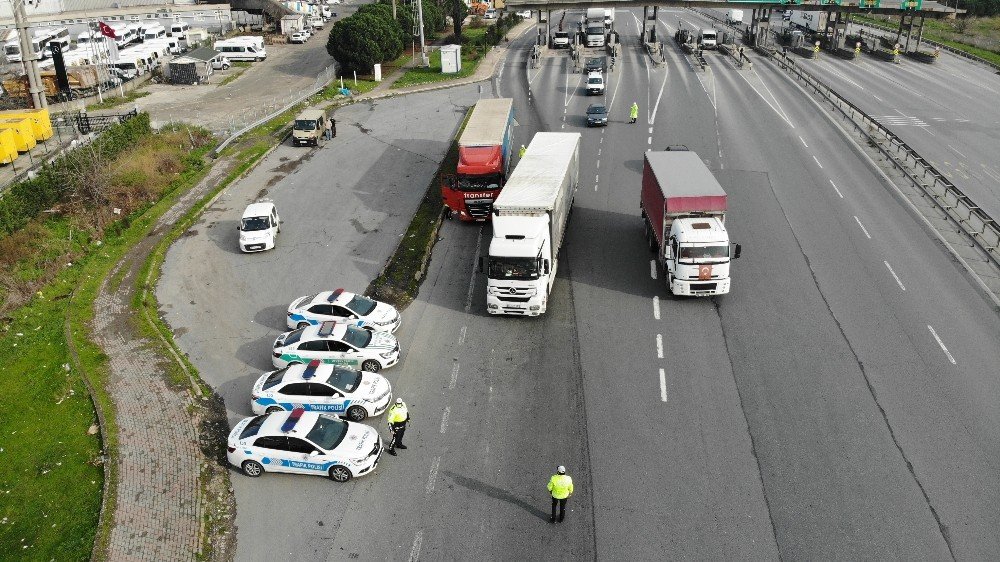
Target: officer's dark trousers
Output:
{"points": [[397, 436], [562, 508]]}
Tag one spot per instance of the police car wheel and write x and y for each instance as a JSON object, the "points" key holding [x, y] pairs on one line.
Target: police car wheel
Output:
{"points": [[274, 409], [253, 469], [371, 366], [357, 413], [340, 474], [301, 325]]}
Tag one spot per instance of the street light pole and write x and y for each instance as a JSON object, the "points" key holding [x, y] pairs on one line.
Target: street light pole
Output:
{"points": [[420, 17], [29, 58]]}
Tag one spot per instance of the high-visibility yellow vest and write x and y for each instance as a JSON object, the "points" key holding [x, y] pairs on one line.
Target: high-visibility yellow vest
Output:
{"points": [[561, 486], [397, 413]]}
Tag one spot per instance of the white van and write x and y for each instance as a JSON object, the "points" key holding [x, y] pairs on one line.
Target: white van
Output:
{"points": [[708, 39], [239, 49], [153, 31], [256, 40], [172, 44], [179, 29], [259, 227]]}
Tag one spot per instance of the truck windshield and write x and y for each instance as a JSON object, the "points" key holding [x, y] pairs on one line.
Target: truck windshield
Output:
{"points": [[704, 252], [513, 268], [305, 124], [595, 31], [479, 183]]}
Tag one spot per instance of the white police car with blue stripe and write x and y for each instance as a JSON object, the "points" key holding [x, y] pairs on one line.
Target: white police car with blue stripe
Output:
{"points": [[301, 442], [344, 307], [320, 387]]}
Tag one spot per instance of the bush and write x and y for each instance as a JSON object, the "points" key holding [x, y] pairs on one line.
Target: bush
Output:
{"points": [[363, 40]]}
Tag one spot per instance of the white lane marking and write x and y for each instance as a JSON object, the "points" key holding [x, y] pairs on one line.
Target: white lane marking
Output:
{"points": [[566, 94], [941, 343], [652, 268], [454, 377], [418, 539], [927, 130], [803, 141], [433, 475], [754, 88], [956, 150], [659, 346], [566, 110], [656, 308], [602, 138], [663, 385], [863, 229], [837, 190], [599, 151], [876, 97], [475, 264], [894, 276], [563, 126], [649, 140], [650, 130], [461, 335], [444, 419], [597, 178], [817, 161], [598, 164], [652, 116]]}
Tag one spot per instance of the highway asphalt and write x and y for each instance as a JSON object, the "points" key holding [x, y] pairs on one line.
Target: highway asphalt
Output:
{"points": [[839, 403]]}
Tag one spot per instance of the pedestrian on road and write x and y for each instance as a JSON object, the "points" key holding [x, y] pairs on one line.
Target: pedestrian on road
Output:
{"points": [[561, 488], [633, 112], [397, 417], [521, 151]]}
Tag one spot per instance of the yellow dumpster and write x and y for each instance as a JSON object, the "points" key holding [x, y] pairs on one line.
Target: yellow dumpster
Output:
{"points": [[8, 148], [24, 132], [40, 119]]}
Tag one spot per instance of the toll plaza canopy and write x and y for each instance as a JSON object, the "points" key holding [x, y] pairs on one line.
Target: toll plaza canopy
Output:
{"points": [[917, 7]]}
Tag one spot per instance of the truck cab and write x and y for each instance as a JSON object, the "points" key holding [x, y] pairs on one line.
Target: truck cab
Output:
{"points": [[708, 39], [518, 271], [484, 160], [698, 256], [595, 35]]}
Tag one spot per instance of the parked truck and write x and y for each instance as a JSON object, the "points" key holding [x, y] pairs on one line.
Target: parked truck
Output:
{"points": [[684, 212], [734, 17], [484, 154], [812, 20], [529, 224]]}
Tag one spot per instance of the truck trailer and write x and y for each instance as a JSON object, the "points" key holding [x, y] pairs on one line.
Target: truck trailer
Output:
{"points": [[684, 212], [813, 21], [529, 224], [484, 151]]}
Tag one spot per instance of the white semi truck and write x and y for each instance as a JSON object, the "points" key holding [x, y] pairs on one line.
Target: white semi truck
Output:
{"points": [[529, 224], [684, 211]]}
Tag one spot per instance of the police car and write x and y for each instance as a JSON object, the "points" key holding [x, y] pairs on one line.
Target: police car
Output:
{"points": [[342, 306], [322, 388], [303, 442], [336, 343]]}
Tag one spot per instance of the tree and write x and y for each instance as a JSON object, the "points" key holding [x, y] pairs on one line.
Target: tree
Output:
{"points": [[458, 11], [384, 12], [363, 40]]}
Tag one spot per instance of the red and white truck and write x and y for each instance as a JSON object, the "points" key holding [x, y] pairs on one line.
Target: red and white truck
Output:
{"points": [[684, 211], [484, 154]]}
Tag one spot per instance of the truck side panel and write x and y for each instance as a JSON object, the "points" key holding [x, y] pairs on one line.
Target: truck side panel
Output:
{"points": [[560, 212], [652, 202]]}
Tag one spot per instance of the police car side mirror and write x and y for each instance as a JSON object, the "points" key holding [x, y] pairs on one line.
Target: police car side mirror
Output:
{"points": [[738, 250], [237, 227], [545, 267]]}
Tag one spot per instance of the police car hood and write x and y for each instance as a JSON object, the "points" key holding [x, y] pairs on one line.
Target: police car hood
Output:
{"points": [[372, 386], [359, 440], [382, 342], [383, 313]]}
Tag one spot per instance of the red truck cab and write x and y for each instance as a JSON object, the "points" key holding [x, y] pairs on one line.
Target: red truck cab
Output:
{"points": [[484, 154]]}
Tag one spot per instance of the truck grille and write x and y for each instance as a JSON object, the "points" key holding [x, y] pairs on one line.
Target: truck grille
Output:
{"points": [[479, 210], [514, 299], [696, 287]]}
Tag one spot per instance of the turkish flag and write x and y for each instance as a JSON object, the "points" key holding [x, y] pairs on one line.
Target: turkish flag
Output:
{"points": [[704, 272], [106, 30]]}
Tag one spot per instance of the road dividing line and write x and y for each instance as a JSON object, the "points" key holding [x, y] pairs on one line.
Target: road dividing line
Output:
{"points": [[876, 97], [598, 164], [803, 142], [461, 335], [444, 419], [941, 343], [649, 140], [652, 268], [650, 130], [454, 377], [863, 229], [599, 151], [663, 386], [597, 178], [659, 346], [418, 539], [472, 280], [837, 190], [894, 276], [432, 478], [656, 308], [957, 152], [817, 161]]}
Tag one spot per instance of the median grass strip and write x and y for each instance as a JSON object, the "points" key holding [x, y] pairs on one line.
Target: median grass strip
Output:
{"points": [[400, 279], [111, 102]]}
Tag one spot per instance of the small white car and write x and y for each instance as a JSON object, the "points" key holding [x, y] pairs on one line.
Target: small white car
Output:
{"points": [[595, 84], [317, 387], [316, 22], [526, 14], [333, 1], [342, 306], [259, 227], [298, 38], [337, 344], [221, 63], [491, 14], [303, 442]]}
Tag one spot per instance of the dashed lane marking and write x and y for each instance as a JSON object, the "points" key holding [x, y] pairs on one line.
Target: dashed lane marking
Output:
{"points": [[461, 335], [652, 268], [454, 376], [418, 539], [444, 418], [837, 190], [659, 346], [894, 276], [656, 308], [863, 229], [941, 343], [663, 385], [817, 161], [803, 142]]}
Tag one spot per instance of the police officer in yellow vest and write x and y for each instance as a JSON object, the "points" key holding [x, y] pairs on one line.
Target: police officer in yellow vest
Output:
{"points": [[521, 151], [561, 487], [397, 417]]}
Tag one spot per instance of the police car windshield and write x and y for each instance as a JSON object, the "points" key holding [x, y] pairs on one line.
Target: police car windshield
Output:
{"points": [[253, 427], [361, 306], [256, 223], [327, 433], [357, 337], [344, 379], [274, 378], [293, 337]]}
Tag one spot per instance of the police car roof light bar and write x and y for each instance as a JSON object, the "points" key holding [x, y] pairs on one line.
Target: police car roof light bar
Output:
{"points": [[326, 328], [310, 371], [292, 420], [334, 295]]}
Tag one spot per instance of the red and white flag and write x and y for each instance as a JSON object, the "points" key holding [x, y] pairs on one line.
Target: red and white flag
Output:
{"points": [[106, 30]]}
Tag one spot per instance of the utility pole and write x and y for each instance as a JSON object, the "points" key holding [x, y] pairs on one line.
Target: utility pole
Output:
{"points": [[29, 58], [393, 9], [424, 61]]}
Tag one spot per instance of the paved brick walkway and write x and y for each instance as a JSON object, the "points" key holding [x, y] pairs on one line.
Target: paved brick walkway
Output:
{"points": [[159, 498]]}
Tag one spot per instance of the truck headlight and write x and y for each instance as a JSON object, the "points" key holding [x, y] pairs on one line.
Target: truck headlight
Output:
{"points": [[534, 307]]}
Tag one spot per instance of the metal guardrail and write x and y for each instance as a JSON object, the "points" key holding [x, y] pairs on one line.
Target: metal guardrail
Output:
{"points": [[975, 222], [324, 78], [941, 46]]}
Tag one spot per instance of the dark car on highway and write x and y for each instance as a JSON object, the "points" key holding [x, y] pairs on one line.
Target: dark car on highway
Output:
{"points": [[597, 115], [594, 64]]}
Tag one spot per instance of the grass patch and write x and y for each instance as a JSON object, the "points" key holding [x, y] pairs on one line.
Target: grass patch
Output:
{"points": [[981, 53], [968, 35], [417, 76], [399, 281], [108, 103], [53, 478], [233, 76]]}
